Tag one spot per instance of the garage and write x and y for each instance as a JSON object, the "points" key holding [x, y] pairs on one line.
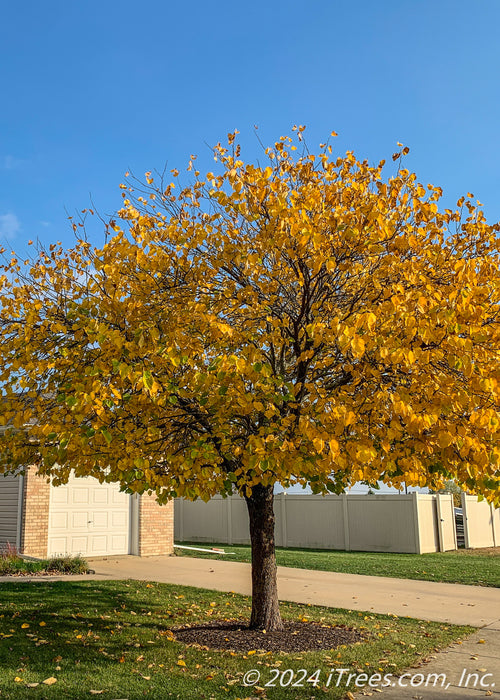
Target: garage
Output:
{"points": [[81, 517], [89, 518]]}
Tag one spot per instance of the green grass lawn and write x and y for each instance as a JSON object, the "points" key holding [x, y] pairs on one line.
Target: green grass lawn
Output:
{"points": [[470, 566], [111, 639]]}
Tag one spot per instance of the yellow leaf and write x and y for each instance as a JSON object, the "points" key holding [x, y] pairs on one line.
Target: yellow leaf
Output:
{"points": [[444, 439], [358, 346], [334, 447], [50, 681], [181, 662], [318, 445], [24, 626]]}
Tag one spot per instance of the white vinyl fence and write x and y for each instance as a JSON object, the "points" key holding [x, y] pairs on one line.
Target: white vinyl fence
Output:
{"points": [[481, 523], [414, 523]]}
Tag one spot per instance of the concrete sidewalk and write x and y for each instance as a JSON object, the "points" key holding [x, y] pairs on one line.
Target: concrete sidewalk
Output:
{"points": [[442, 602], [467, 670]]}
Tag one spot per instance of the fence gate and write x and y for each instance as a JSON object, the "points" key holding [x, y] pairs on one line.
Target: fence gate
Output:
{"points": [[446, 522]]}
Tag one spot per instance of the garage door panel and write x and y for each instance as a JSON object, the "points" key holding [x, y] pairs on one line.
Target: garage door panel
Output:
{"points": [[80, 496], [59, 521], [79, 520], [118, 519], [100, 527], [78, 545], [58, 546], [119, 498], [118, 541], [100, 520], [101, 496], [99, 544], [59, 496]]}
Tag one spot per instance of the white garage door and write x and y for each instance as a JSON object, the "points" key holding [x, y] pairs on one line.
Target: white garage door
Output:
{"points": [[88, 518]]}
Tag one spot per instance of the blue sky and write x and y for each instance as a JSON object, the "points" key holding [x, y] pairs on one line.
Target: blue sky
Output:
{"points": [[90, 90]]}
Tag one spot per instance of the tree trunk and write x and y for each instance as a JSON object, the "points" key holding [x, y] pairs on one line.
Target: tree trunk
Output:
{"points": [[265, 604]]}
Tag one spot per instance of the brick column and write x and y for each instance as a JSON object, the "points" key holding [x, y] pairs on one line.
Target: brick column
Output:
{"points": [[156, 527], [35, 517]]}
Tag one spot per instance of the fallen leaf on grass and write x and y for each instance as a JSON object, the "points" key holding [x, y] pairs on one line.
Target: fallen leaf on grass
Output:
{"points": [[96, 692], [50, 681], [32, 685]]}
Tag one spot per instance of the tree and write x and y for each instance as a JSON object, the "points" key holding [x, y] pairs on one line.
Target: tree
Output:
{"points": [[451, 487], [301, 322]]}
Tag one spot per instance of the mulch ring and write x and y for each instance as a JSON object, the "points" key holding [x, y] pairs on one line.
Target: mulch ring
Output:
{"points": [[234, 635]]}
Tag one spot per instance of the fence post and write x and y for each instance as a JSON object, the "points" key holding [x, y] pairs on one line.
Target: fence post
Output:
{"points": [[180, 503], [230, 519], [493, 528], [284, 533], [453, 521], [464, 515], [345, 512], [418, 544]]}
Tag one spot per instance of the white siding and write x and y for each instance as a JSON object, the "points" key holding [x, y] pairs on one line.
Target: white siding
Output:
{"points": [[9, 509]]}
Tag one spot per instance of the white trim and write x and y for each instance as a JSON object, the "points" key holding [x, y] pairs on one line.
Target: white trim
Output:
{"points": [[133, 539], [19, 524]]}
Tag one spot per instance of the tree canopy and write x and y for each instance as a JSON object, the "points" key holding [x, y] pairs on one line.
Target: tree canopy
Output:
{"points": [[306, 320]]}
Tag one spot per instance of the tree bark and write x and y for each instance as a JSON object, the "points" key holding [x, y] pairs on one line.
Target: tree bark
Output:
{"points": [[265, 604]]}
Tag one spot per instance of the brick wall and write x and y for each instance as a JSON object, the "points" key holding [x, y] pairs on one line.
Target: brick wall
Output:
{"points": [[35, 518], [156, 527]]}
